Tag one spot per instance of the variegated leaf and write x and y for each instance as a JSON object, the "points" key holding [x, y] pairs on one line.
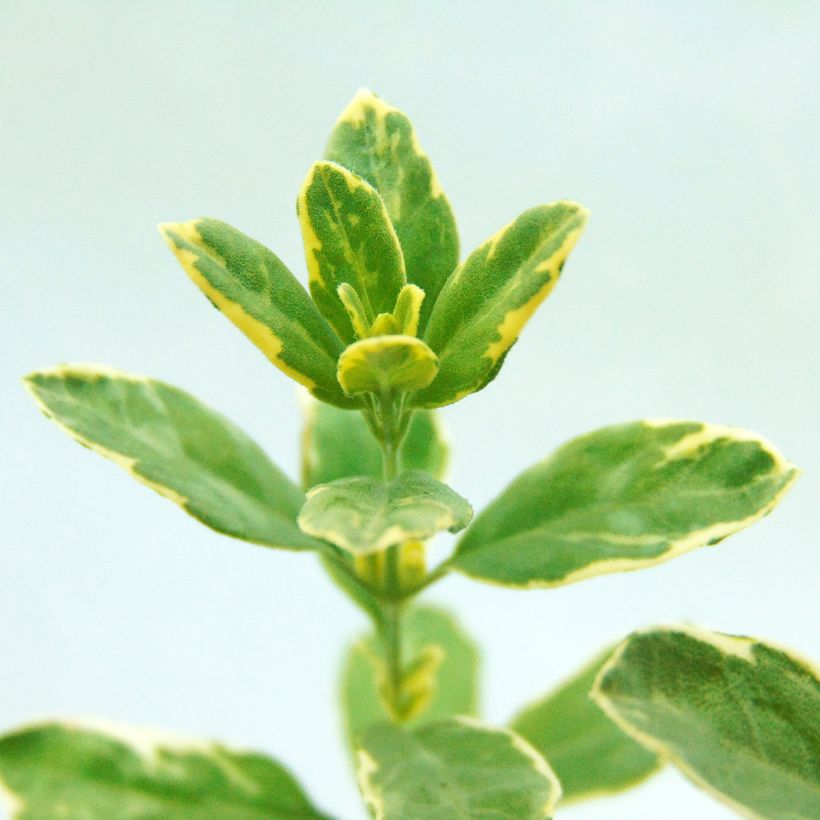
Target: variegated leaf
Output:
{"points": [[623, 498], [447, 688], [591, 755], [364, 515], [386, 365], [254, 289], [94, 772], [739, 717], [488, 300], [407, 313], [349, 239], [177, 446], [377, 141], [456, 768], [339, 444]]}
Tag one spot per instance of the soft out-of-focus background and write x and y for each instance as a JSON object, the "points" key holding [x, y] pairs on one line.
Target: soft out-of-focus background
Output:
{"points": [[689, 129]]}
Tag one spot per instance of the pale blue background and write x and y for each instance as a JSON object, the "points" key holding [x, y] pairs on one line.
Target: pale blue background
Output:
{"points": [[690, 129]]}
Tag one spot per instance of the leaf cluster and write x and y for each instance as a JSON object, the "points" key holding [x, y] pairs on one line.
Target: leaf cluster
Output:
{"points": [[392, 326]]}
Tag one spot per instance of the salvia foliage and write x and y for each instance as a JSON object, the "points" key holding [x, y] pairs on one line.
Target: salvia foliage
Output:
{"points": [[391, 326]]}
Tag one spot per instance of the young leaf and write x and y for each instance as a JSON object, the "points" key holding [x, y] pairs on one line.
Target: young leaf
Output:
{"points": [[378, 142], [348, 238], [65, 770], [456, 768], [338, 444], [386, 364], [364, 515], [177, 446], [255, 290], [588, 752], [454, 689], [407, 313], [739, 717], [623, 498], [487, 301]]}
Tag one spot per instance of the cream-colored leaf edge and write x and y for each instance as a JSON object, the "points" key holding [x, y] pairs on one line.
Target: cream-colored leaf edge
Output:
{"points": [[692, 540], [259, 333], [562, 684], [125, 462], [355, 114], [366, 767], [740, 646], [146, 743], [393, 535], [311, 240]]}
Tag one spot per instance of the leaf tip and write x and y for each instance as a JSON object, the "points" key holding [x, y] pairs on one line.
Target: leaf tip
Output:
{"points": [[176, 232]]}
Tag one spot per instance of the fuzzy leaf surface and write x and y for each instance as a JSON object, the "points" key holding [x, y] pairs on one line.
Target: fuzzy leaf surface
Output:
{"points": [[622, 498], [179, 447], [456, 768], [486, 302], [253, 288], [378, 142], [590, 754], [68, 771], [739, 717], [349, 239], [363, 515]]}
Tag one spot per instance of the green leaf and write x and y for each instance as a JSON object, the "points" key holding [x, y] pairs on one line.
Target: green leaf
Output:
{"points": [[338, 444], [451, 689], [255, 290], [454, 769], [363, 515], [623, 498], [386, 364], [177, 446], [359, 593], [588, 752], [377, 141], [348, 239], [83, 773], [487, 301], [407, 313], [739, 717]]}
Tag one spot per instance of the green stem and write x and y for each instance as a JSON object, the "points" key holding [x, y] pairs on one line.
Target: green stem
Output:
{"points": [[391, 637], [389, 438], [391, 631]]}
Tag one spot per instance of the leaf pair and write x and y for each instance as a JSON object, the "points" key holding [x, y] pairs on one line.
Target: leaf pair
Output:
{"points": [[446, 769], [192, 455], [621, 498], [739, 717], [350, 244], [586, 750], [392, 312]]}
